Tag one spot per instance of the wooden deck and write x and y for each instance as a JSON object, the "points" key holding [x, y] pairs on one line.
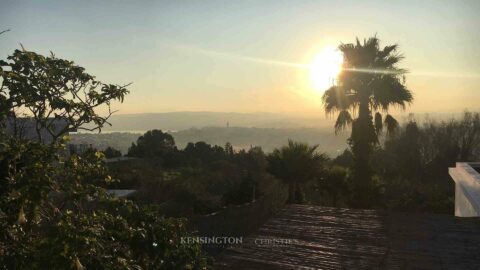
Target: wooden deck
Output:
{"points": [[335, 238]]}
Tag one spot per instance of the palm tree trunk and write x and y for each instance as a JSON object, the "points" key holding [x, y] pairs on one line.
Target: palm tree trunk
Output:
{"points": [[291, 192], [299, 196], [362, 141]]}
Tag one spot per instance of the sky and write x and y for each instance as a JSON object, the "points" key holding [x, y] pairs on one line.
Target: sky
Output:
{"points": [[247, 56]]}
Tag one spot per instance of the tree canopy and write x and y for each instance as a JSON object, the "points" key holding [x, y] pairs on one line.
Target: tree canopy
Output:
{"points": [[154, 143], [53, 214], [295, 164], [51, 88]]}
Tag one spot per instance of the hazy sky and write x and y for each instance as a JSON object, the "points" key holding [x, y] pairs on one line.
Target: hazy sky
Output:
{"points": [[226, 55]]}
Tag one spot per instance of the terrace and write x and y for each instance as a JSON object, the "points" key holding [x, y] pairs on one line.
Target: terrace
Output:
{"points": [[315, 237]]}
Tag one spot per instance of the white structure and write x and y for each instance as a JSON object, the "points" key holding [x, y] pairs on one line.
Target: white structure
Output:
{"points": [[467, 189], [122, 193]]}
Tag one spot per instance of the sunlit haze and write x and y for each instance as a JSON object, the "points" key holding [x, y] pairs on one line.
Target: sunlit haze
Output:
{"points": [[251, 56], [325, 68]]}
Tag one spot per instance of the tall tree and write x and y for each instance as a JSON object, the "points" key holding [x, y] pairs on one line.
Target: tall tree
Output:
{"points": [[50, 89], [154, 143], [369, 84], [296, 164], [111, 152]]}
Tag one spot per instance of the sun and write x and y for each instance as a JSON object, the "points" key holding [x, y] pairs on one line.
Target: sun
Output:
{"points": [[325, 67]]}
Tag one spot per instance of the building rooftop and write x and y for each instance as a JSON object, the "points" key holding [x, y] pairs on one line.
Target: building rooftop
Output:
{"points": [[336, 238]]}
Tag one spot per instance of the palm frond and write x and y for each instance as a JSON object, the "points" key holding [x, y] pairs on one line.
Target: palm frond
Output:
{"points": [[335, 99], [364, 82], [387, 50], [389, 90], [378, 123], [391, 124], [344, 120]]}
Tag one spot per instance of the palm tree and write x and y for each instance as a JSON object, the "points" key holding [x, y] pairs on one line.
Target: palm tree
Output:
{"points": [[295, 164], [369, 84]]}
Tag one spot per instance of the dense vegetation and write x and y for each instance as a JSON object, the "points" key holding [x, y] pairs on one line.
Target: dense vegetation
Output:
{"points": [[111, 152], [53, 213], [240, 138], [409, 171], [296, 164], [198, 179], [413, 165]]}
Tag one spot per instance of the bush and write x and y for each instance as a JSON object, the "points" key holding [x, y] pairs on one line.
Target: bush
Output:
{"points": [[413, 165], [53, 216], [111, 152]]}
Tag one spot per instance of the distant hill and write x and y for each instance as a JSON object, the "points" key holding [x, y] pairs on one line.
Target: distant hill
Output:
{"points": [[267, 138], [239, 137], [186, 120], [268, 130]]}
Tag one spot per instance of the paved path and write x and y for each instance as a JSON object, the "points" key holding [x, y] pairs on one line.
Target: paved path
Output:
{"points": [[336, 238]]}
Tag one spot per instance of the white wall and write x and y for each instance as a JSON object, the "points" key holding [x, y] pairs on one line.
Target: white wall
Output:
{"points": [[467, 189]]}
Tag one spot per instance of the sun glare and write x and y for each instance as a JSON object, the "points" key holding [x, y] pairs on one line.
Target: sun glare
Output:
{"points": [[325, 67]]}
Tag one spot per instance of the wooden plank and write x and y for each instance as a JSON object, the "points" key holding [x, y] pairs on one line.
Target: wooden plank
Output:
{"points": [[336, 238]]}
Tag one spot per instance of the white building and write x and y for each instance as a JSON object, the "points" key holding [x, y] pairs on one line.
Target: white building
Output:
{"points": [[467, 188]]}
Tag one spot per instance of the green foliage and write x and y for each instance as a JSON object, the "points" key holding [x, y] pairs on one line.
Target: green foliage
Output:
{"points": [[201, 153], [111, 152], [331, 187], [410, 170], [296, 164], [156, 144], [254, 164], [240, 193], [335, 183], [205, 179], [51, 88], [190, 191], [239, 137], [53, 214], [413, 165]]}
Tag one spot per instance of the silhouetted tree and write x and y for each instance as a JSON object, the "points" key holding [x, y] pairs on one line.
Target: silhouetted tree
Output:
{"points": [[52, 88], [154, 143], [255, 164], [229, 149], [345, 159], [413, 164], [203, 153], [468, 130], [296, 164], [370, 82], [111, 152]]}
